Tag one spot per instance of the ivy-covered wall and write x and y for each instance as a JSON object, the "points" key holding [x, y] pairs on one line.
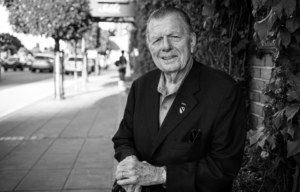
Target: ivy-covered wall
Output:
{"points": [[260, 72]]}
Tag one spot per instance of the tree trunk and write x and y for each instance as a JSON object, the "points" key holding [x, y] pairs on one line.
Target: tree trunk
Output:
{"points": [[97, 65], [75, 65], [84, 66], [58, 73]]}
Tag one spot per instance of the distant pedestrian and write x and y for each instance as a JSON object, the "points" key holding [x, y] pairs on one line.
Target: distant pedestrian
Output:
{"points": [[121, 63]]}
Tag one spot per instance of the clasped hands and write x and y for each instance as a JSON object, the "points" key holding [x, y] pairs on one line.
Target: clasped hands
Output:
{"points": [[132, 174]]}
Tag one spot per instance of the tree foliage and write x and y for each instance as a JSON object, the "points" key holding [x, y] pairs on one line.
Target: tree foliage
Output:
{"points": [[61, 20], [9, 42]]}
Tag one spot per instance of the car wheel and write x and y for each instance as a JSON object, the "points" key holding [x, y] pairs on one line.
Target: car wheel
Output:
{"points": [[5, 69], [21, 69], [33, 70], [14, 69], [67, 73]]}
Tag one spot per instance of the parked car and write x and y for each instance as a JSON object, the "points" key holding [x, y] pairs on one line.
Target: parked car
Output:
{"points": [[26, 60], [43, 62], [69, 64], [12, 63]]}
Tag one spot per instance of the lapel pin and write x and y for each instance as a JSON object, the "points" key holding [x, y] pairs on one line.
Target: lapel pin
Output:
{"points": [[181, 110]]}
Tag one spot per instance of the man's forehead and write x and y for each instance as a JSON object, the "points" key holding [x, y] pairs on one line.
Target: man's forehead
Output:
{"points": [[171, 22]]}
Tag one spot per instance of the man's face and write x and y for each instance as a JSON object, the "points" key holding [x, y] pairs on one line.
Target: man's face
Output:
{"points": [[170, 43]]}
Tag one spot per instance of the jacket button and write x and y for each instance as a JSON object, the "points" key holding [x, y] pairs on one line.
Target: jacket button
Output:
{"points": [[147, 190]]}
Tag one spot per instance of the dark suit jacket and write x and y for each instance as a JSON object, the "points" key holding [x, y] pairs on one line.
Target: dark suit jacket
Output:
{"points": [[214, 103]]}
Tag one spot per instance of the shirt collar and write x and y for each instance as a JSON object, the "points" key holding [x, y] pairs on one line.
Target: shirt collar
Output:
{"points": [[162, 89]]}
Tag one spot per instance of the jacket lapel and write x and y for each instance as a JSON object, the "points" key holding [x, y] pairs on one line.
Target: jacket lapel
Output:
{"points": [[181, 107], [152, 106]]}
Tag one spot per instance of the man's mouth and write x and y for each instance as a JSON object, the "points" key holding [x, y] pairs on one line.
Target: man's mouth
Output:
{"points": [[168, 57]]}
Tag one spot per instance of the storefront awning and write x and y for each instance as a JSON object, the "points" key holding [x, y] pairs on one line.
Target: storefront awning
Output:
{"points": [[112, 8]]}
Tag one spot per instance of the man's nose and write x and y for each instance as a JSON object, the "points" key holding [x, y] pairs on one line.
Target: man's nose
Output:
{"points": [[167, 46]]}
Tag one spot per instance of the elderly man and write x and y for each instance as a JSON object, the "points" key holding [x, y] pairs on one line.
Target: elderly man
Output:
{"points": [[184, 125]]}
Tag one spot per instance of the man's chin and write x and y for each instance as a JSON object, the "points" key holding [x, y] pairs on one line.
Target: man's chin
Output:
{"points": [[170, 70]]}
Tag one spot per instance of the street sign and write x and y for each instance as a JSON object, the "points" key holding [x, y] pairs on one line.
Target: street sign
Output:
{"points": [[110, 8]]}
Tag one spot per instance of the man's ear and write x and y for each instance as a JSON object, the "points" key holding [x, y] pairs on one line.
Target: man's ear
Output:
{"points": [[193, 41]]}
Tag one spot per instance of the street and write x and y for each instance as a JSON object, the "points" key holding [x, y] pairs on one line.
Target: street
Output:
{"points": [[19, 89], [11, 78]]}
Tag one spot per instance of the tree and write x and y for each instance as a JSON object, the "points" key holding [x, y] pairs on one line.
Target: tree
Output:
{"points": [[61, 20], [9, 42]]}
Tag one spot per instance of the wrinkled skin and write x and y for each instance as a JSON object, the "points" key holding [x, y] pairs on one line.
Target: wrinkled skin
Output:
{"points": [[132, 174], [171, 44]]}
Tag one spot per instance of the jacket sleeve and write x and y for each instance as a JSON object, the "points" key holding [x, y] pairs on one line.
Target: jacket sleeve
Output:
{"points": [[123, 139], [215, 171]]}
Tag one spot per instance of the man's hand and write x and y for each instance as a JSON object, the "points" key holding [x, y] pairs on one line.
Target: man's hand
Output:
{"points": [[131, 171]]}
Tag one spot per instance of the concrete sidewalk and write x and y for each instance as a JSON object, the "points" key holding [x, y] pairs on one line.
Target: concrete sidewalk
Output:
{"points": [[64, 145]]}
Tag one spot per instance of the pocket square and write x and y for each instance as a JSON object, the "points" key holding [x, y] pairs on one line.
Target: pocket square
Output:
{"points": [[195, 135]]}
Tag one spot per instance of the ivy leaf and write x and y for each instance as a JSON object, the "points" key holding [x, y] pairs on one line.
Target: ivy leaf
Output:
{"points": [[240, 46], [291, 110], [226, 3], [271, 140], [278, 83], [292, 95], [284, 133], [263, 27], [254, 136], [297, 158], [276, 162], [262, 142], [296, 34], [294, 81], [288, 6], [285, 37], [208, 10], [282, 58], [294, 52], [279, 105], [291, 130], [277, 122], [293, 146], [292, 24]]}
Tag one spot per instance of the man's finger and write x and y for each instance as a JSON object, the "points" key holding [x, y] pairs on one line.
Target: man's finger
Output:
{"points": [[125, 174], [122, 175], [123, 168], [129, 181]]}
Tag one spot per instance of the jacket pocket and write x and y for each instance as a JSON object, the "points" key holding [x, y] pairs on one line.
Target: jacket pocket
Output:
{"points": [[183, 152]]}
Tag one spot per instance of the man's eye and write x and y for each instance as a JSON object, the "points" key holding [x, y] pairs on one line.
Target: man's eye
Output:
{"points": [[156, 41], [175, 37]]}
